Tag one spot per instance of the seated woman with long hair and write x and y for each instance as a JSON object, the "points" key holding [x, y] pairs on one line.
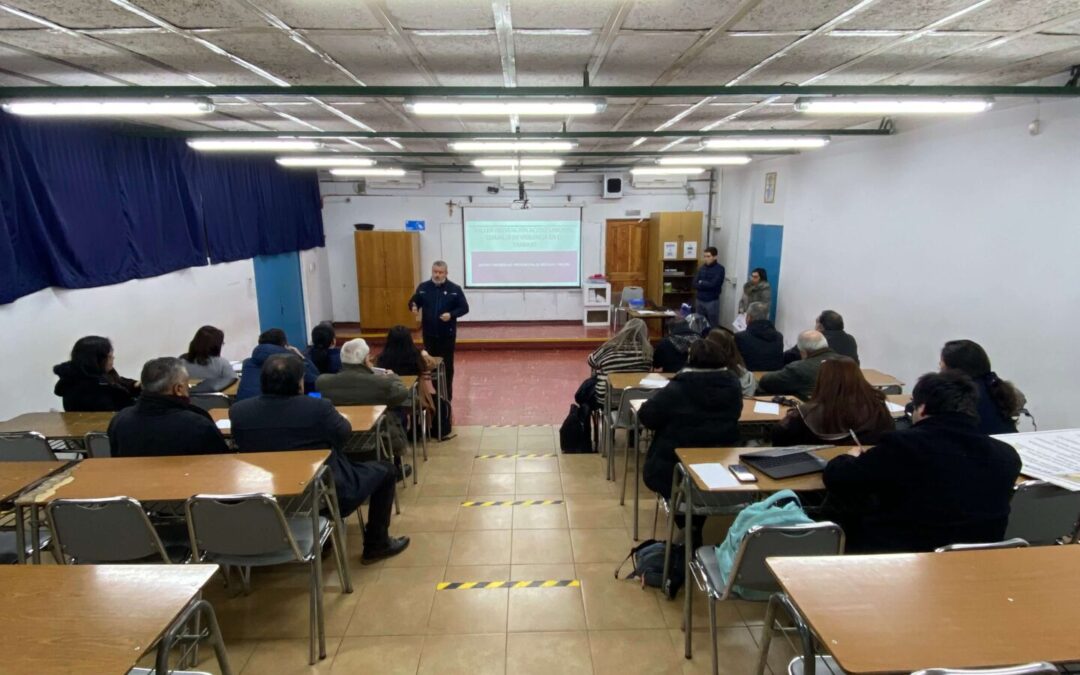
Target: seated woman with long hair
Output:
{"points": [[731, 359], [89, 383], [843, 403], [401, 356], [203, 360], [1000, 402], [322, 352], [627, 351]]}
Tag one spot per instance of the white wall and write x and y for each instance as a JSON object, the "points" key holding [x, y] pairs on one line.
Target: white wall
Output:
{"points": [[967, 228], [443, 238], [144, 318]]}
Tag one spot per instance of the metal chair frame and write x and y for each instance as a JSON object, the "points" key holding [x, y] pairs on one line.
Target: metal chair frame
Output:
{"points": [[1015, 542], [1031, 490], [1038, 668], [93, 443], [59, 550], [47, 454]]}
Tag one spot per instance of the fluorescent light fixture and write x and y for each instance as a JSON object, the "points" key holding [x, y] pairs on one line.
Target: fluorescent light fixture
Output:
{"points": [[495, 107], [519, 172], [707, 160], [513, 163], [895, 106], [252, 144], [766, 143], [512, 146], [368, 172], [109, 108], [325, 160], [667, 170]]}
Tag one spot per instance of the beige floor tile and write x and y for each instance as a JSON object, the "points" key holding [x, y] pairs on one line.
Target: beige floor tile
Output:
{"points": [[576, 484], [464, 655], [538, 483], [497, 466], [544, 609], [393, 608], [425, 549], [427, 575], [390, 655], [537, 465], [612, 604], [642, 652], [548, 654], [726, 613], [529, 572], [536, 443], [492, 484], [782, 649], [477, 573], [481, 547], [447, 466], [541, 546], [536, 430], [287, 657], [435, 485], [753, 613], [585, 463], [600, 545], [552, 516], [485, 518], [500, 443], [238, 652], [245, 617], [469, 611], [427, 514], [595, 516], [736, 649]]}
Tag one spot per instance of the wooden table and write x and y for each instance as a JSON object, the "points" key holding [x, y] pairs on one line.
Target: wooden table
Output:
{"points": [[966, 609], [18, 476], [729, 456], [59, 425], [876, 378], [361, 417], [900, 400], [63, 619]]}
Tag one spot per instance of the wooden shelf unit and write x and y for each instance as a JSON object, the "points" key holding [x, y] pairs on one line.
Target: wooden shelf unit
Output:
{"points": [[669, 289], [387, 273]]}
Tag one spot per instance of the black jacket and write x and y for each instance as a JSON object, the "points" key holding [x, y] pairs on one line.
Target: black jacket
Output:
{"points": [[840, 342], [761, 346], [271, 423], [940, 482], [797, 378], [251, 373], [164, 425], [671, 353], [85, 392], [433, 301], [709, 282], [697, 409]]}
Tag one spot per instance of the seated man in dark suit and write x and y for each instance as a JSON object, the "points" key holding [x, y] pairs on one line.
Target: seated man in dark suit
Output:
{"points": [[761, 345], [163, 421], [831, 325], [282, 418], [940, 482]]}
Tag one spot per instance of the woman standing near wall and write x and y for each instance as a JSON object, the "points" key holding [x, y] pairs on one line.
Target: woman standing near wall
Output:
{"points": [[756, 290]]}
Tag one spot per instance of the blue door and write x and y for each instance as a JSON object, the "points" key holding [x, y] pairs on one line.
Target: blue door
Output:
{"points": [[766, 243], [280, 295]]}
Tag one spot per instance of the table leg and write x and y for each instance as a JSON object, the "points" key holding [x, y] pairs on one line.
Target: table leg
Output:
{"points": [[673, 508], [20, 535], [330, 490], [440, 373], [688, 552], [414, 415], [637, 473], [202, 608], [35, 540]]}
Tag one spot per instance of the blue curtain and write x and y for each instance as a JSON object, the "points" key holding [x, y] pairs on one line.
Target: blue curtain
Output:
{"points": [[83, 205]]}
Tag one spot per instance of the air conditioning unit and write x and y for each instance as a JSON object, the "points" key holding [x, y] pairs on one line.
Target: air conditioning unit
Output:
{"points": [[412, 180], [675, 181], [531, 182]]}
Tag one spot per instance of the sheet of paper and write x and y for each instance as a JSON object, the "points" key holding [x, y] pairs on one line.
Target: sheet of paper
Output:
{"points": [[224, 425], [715, 476], [766, 408], [637, 403], [654, 381], [689, 249], [671, 250], [894, 407], [1052, 456], [739, 324]]}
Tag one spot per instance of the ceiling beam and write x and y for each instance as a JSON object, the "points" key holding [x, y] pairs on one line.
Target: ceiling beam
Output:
{"points": [[465, 158], [503, 135]]}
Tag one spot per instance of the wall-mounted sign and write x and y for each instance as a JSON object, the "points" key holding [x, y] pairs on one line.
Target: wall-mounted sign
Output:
{"points": [[770, 187], [671, 250], [415, 225]]}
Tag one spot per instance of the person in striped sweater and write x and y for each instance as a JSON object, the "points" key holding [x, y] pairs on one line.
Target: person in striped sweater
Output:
{"points": [[627, 351]]}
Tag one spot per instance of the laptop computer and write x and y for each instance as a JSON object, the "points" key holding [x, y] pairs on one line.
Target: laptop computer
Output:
{"points": [[777, 463]]}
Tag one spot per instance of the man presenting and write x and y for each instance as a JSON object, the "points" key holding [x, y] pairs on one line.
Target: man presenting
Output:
{"points": [[442, 302], [708, 284]]}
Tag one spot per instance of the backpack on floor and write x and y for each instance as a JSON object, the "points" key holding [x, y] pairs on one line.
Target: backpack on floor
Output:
{"points": [[575, 434], [648, 561], [782, 508]]}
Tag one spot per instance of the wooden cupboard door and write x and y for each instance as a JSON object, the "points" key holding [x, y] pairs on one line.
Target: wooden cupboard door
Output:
{"points": [[397, 302], [374, 309], [370, 252], [399, 259], [626, 253]]}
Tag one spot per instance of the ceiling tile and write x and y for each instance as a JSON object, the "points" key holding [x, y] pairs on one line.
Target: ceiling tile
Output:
{"points": [[906, 15], [11, 21], [639, 61], [1016, 14], [307, 14], [187, 56], [375, 59], [964, 65], [562, 13], [679, 14], [544, 60], [444, 14], [82, 14], [18, 81], [33, 66], [811, 58], [463, 61], [280, 56], [728, 57], [794, 14], [908, 56], [203, 13], [1030, 69]]}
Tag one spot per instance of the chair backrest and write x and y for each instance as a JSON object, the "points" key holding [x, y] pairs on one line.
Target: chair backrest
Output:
{"points": [[1040, 668], [112, 530], [629, 395], [238, 525], [1042, 513], [210, 400], [631, 293], [1015, 542], [98, 445], [770, 541], [25, 446]]}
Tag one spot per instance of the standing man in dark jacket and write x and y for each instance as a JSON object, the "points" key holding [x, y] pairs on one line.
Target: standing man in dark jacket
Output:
{"points": [[163, 421], [708, 284], [442, 303], [831, 325], [282, 418], [940, 482], [761, 345]]}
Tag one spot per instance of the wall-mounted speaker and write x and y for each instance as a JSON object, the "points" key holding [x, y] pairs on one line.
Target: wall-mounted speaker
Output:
{"points": [[613, 184]]}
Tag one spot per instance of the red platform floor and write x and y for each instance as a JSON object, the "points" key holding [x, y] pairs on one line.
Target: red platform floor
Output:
{"points": [[516, 387]]}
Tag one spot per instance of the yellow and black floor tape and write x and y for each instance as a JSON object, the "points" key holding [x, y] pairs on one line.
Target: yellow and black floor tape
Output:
{"points": [[542, 583], [519, 502], [531, 455]]}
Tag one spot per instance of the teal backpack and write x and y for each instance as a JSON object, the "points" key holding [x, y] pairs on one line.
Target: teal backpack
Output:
{"points": [[782, 508]]}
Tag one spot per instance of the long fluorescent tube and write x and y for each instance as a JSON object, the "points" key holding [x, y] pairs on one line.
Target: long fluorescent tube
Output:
{"points": [[325, 160], [899, 106], [367, 172], [252, 144], [511, 162], [519, 172], [707, 160], [107, 108], [766, 143], [507, 106], [512, 146], [667, 171]]}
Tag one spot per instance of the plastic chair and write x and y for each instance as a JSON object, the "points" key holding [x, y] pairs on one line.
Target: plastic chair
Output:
{"points": [[25, 446], [251, 530], [1039, 668], [749, 570], [1043, 514], [98, 445], [1015, 542], [210, 400], [112, 530]]}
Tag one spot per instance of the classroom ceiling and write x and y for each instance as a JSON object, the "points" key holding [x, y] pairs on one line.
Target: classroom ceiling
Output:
{"points": [[525, 43]]}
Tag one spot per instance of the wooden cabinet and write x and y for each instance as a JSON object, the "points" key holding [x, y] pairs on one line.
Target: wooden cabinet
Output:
{"points": [[671, 277], [387, 272]]}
